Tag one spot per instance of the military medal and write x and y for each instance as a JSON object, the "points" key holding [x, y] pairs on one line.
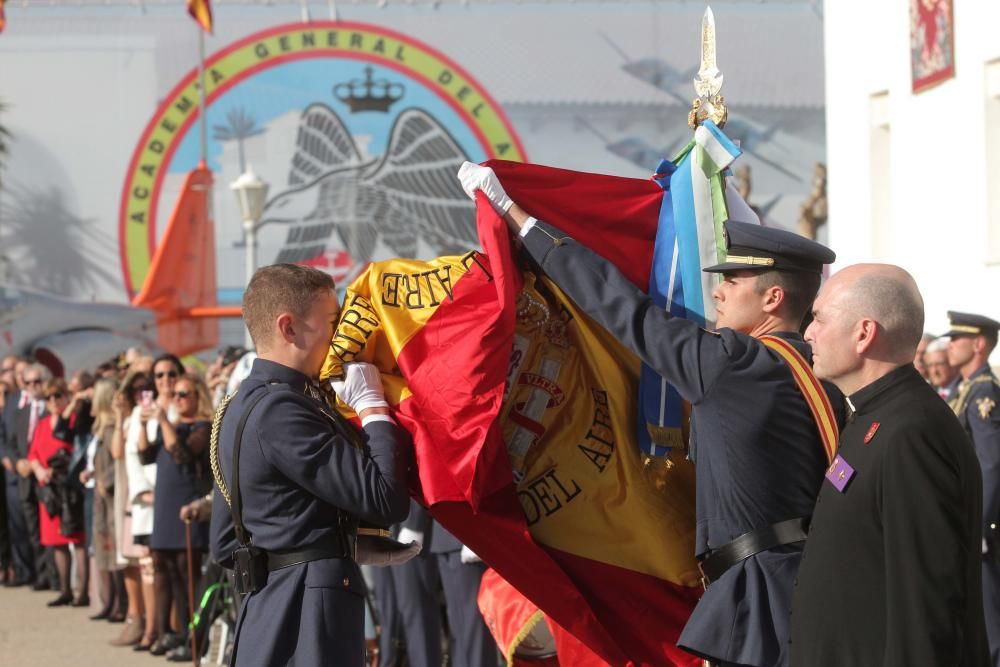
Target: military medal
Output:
{"points": [[871, 432], [839, 473], [985, 407]]}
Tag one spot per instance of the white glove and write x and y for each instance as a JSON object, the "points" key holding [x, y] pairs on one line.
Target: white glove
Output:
{"points": [[473, 177], [407, 536], [467, 556], [361, 387]]}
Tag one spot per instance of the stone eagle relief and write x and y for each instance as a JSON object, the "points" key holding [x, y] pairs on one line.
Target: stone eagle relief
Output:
{"points": [[406, 195]]}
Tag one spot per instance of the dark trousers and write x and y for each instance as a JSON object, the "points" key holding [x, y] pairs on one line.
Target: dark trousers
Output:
{"points": [[44, 563], [5, 554], [416, 584], [473, 644], [991, 605], [22, 555], [390, 640]]}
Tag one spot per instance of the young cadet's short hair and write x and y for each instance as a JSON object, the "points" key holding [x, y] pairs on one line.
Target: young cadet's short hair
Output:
{"points": [[280, 288], [800, 288]]}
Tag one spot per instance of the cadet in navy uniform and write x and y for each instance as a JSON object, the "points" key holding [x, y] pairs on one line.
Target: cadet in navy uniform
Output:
{"points": [[305, 479], [973, 338], [757, 449], [890, 574]]}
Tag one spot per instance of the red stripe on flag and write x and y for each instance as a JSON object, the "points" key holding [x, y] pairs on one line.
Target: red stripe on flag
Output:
{"points": [[644, 613], [456, 366], [592, 208], [499, 534]]}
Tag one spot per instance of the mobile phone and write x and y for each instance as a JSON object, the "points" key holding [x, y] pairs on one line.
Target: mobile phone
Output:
{"points": [[147, 398]]}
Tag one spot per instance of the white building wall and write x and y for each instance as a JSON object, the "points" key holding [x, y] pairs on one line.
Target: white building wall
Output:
{"points": [[936, 222]]}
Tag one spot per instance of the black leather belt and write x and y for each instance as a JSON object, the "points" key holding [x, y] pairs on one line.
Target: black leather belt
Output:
{"points": [[329, 547], [778, 534]]}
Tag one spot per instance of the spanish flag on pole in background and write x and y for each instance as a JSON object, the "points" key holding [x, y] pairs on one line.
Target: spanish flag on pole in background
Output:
{"points": [[201, 11], [523, 413], [3, 17]]}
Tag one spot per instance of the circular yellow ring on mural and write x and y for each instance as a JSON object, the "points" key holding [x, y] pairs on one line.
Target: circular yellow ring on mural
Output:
{"points": [[270, 48]]}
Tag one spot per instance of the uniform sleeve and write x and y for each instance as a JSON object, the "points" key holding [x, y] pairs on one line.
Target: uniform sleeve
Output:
{"points": [[984, 424], [921, 500], [683, 353], [369, 482]]}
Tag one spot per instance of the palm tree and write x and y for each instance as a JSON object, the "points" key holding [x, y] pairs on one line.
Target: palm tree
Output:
{"points": [[53, 248], [4, 138], [240, 127]]}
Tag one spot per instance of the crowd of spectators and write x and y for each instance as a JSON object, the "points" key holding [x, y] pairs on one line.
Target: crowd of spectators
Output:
{"points": [[102, 473]]}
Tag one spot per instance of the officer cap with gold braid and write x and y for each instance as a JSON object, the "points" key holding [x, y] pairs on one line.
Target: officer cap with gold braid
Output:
{"points": [[968, 324], [765, 248]]}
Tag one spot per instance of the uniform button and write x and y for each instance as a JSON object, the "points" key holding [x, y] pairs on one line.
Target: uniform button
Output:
{"points": [[347, 582]]}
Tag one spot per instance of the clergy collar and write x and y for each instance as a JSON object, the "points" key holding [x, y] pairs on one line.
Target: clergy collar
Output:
{"points": [[272, 371], [868, 397]]}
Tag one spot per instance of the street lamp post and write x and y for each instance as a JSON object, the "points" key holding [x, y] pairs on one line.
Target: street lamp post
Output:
{"points": [[251, 195]]}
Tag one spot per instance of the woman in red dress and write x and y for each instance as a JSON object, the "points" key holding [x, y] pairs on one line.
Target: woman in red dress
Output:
{"points": [[45, 443]]}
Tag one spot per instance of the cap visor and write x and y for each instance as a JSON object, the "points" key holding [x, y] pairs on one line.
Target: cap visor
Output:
{"points": [[734, 266]]}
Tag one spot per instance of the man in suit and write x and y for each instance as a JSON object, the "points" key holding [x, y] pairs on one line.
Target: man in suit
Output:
{"points": [[8, 576], [972, 339], [301, 480], [759, 463], [29, 411], [891, 571]]}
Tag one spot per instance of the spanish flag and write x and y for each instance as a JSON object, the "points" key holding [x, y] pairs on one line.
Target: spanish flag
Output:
{"points": [[201, 11], [523, 414], [3, 17]]}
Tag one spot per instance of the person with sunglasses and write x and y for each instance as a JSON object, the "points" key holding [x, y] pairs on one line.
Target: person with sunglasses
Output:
{"points": [[53, 435], [183, 474], [140, 459], [33, 561]]}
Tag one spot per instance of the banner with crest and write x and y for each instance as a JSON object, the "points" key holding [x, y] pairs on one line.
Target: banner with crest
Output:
{"points": [[522, 411]]}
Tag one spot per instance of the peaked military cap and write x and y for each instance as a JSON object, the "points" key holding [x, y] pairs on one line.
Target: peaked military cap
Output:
{"points": [[968, 324], [754, 247]]}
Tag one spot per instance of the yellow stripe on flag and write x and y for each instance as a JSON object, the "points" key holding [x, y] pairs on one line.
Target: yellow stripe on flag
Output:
{"points": [[201, 11], [812, 391]]}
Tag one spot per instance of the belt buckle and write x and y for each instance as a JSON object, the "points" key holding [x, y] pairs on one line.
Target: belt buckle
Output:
{"points": [[705, 581]]}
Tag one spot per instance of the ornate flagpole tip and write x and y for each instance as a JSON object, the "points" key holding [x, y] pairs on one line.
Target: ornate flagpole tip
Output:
{"points": [[709, 104]]}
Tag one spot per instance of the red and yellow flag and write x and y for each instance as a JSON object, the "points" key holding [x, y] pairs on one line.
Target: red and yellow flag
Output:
{"points": [[3, 16], [201, 11], [523, 414]]}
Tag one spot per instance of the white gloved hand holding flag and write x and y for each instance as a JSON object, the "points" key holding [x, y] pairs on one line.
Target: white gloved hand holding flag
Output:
{"points": [[474, 177], [361, 387]]}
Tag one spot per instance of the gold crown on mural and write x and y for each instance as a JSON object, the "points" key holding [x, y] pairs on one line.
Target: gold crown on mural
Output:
{"points": [[369, 94]]}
